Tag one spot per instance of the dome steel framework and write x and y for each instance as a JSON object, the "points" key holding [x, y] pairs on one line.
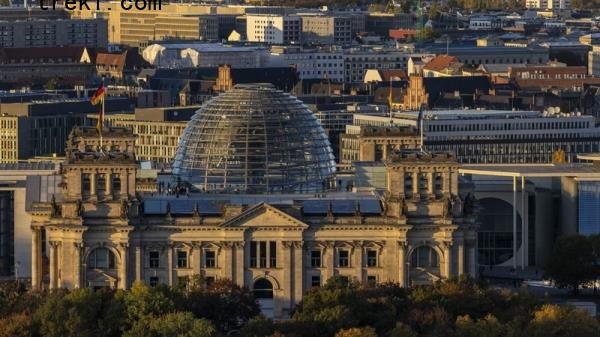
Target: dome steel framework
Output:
{"points": [[255, 139]]}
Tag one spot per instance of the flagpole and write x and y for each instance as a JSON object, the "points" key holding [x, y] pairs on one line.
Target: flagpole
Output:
{"points": [[101, 120]]}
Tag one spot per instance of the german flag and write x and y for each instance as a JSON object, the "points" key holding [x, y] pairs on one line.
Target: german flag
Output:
{"points": [[95, 100], [98, 95]]}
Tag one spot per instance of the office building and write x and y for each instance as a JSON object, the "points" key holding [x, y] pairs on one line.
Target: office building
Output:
{"points": [[499, 137], [274, 28], [91, 33], [41, 128], [326, 29]]}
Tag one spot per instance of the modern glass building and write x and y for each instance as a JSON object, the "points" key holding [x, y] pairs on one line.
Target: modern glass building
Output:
{"points": [[255, 139], [589, 212]]}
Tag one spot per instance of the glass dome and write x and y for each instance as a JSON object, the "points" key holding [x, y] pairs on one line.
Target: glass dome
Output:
{"points": [[255, 139]]}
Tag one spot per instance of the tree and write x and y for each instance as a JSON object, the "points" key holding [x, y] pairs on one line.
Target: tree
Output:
{"points": [[4, 2], [17, 325], [562, 321], [485, 327], [401, 330], [143, 301], [357, 332], [179, 324], [81, 313], [571, 262], [223, 302]]}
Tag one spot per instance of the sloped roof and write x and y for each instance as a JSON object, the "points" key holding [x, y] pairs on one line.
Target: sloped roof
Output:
{"points": [[42, 53], [441, 62], [117, 60], [394, 74]]}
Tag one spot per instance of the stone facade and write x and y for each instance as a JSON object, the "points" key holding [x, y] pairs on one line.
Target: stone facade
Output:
{"points": [[101, 233]]}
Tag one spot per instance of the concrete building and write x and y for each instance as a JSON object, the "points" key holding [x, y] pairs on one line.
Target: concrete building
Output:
{"points": [[22, 184], [204, 55], [40, 128], [274, 28], [26, 33], [486, 23], [157, 130], [499, 137], [191, 27], [326, 29], [136, 27]]}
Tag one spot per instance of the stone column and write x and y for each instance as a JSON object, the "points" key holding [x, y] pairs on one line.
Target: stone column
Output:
{"points": [[139, 262], [472, 246], [402, 263], [124, 179], [36, 258], [108, 186], [359, 260], [197, 258], [329, 260], [297, 280], [447, 259], [53, 276], [93, 185], [123, 250], [227, 260], [288, 274], [415, 183], [430, 184], [170, 265], [77, 246], [239, 263], [445, 182], [454, 182], [461, 258]]}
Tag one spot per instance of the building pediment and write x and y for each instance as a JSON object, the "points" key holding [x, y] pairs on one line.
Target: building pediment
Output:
{"points": [[264, 215]]}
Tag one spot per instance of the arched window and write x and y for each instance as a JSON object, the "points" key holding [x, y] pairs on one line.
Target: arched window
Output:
{"points": [[263, 288], [101, 258], [424, 257]]}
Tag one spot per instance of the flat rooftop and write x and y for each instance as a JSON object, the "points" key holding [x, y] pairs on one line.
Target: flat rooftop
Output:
{"points": [[578, 170]]}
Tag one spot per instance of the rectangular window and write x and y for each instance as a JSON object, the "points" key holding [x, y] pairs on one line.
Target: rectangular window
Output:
{"points": [[210, 260], [315, 258], [371, 258], [315, 281], [182, 261], [372, 280], [263, 254], [153, 281], [154, 258], [343, 258], [272, 254], [253, 252]]}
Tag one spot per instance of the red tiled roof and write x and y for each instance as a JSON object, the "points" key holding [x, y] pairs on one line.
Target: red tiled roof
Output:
{"points": [[440, 62], [117, 60], [394, 74]]}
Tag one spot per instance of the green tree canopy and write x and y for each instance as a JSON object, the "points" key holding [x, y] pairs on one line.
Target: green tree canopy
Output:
{"points": [[562, 321], [179, 324], [572, 262]]}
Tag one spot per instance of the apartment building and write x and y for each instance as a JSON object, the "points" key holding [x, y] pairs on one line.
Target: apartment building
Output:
{"points": [[25, 33], [274, 28], [326, 29]]}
